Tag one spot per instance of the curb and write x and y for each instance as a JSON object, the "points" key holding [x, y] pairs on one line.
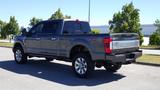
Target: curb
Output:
{"points": [[151, 48], [5, 47], [149, 64]]}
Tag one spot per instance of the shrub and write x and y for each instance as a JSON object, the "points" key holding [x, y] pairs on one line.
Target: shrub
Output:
{"points": [[154, 39], [95, 31]]}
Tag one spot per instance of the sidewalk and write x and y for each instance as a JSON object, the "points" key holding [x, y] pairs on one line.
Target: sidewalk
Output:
{"points": [[12, 41], [153, 52]]}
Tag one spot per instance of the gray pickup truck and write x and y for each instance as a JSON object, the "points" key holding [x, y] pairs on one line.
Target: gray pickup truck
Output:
{"points": [[72, 41]]}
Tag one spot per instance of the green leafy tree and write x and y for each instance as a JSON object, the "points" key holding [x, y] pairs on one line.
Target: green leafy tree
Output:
{"points": [[34, 21], [1, 24], [11, 28], [155, 37], [1, 28], [157, 24], [67, 17], [3, 33], [95, 31], [59, 15], [126, 21]]}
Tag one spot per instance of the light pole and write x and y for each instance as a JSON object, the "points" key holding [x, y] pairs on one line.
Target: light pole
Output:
{"points": [[89, 11]]}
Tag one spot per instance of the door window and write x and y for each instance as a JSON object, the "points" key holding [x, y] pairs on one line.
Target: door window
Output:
{"points": [[50, 28], [36, 29], [76, 27]]}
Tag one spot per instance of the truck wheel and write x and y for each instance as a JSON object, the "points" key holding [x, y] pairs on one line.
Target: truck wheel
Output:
{"points": [[20, 56], [82, 65], [49, 59], [112, 67]]}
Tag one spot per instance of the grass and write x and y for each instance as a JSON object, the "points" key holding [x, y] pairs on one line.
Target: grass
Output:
{"points": [[152, 59], [150, 47], [6, 44]]}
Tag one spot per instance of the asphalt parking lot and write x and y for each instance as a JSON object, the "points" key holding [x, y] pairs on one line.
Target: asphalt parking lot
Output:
{"points": [[38, 74]]}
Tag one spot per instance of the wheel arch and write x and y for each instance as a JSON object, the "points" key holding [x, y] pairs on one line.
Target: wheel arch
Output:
{"points": [[17, 44], [79, 48]]}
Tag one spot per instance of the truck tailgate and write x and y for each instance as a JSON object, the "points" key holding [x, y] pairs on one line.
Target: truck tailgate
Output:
{"points": [[125, 42]]}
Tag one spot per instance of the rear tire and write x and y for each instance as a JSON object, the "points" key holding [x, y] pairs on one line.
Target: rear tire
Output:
{"points": [[20, 56], [112, 67], [82, 65]]}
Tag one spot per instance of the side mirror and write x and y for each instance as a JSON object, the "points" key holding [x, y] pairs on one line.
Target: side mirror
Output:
{"points": [[24, 31]]}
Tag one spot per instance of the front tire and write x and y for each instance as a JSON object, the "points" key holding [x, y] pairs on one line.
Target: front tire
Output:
{"points": [[20, 56], [82, 65]]}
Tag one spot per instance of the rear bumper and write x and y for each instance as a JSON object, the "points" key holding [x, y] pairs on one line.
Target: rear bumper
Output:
{"points": [[124, 58]]}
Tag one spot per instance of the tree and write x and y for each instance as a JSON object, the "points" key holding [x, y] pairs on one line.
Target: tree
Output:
{"points": [[59, 15], [3, 33], [155, 37], [95, 31], [126, 21], [12, 28], [34, 21], [157, 24], [1, 28], [1, 24], [67, 17]]}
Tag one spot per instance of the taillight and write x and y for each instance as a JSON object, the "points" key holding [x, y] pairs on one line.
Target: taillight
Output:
{"points": [[107, 45]]}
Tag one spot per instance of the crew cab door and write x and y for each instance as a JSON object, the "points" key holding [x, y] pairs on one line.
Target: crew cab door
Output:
{"points": [[32, 41], [49, 38]]}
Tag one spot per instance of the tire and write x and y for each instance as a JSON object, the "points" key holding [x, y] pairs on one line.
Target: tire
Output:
{"points": [[49, 59], [112, 67], [82, 65], [20, 56]]}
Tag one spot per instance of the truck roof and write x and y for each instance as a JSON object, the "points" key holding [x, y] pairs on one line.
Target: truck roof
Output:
{"points": [[66, 20], [74, 20]]}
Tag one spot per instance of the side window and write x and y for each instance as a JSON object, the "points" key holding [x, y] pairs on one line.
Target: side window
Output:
{"points": [[85, 27], [39, 28], [36, 29], [74, 27], [68, 28], [50, 28]]}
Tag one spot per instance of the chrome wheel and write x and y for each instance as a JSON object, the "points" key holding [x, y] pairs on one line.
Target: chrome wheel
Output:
{"points": [[80, 65], [18, 55]]}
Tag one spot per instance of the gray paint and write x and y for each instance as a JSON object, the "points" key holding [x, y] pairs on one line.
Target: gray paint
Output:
{"points": [[61, 45]]}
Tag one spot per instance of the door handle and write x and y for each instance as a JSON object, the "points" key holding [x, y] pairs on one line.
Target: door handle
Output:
{"points": [[53, 39]]}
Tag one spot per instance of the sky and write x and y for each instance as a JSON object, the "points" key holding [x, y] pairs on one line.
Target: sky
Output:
{"points": [[101, 10]]}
